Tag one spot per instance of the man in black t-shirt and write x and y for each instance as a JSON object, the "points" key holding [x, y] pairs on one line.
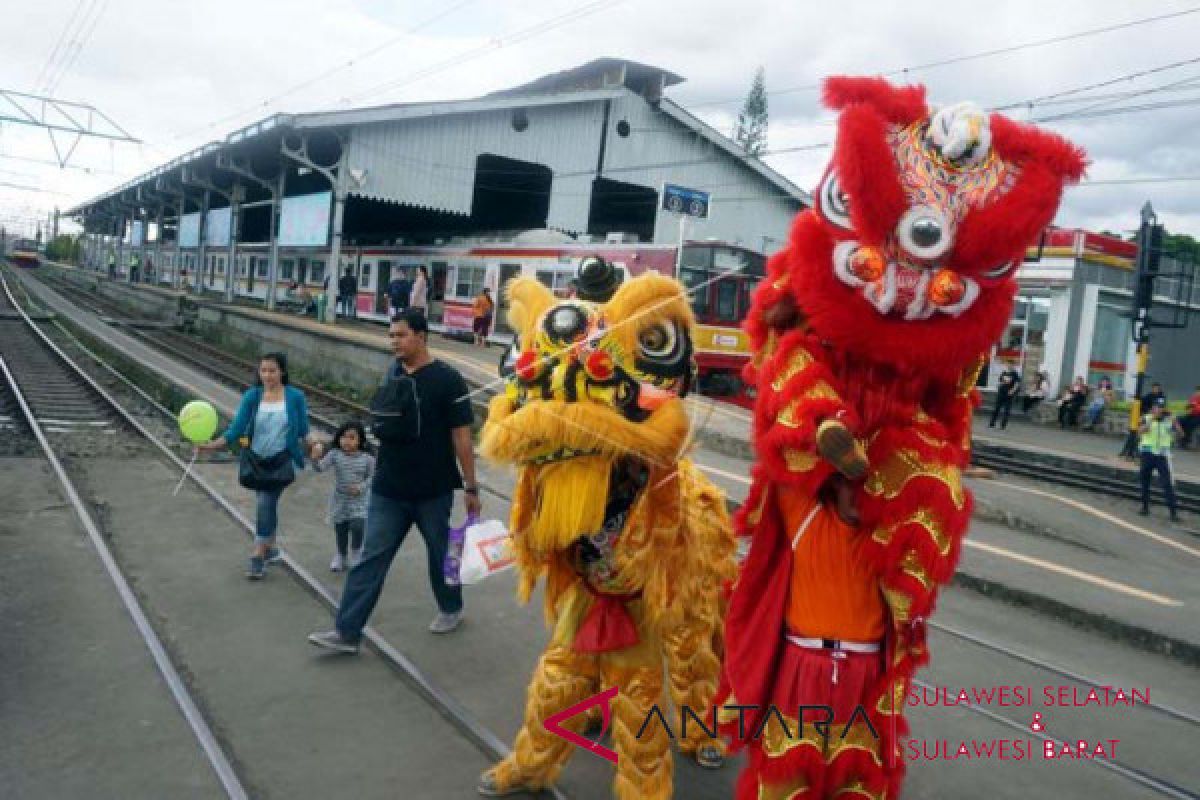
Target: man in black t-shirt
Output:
{"points": [[1007, 387], [415, 480]]}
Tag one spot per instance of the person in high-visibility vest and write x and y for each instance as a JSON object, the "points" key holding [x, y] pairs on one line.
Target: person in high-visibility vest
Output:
{"points": [[1158, 431]]}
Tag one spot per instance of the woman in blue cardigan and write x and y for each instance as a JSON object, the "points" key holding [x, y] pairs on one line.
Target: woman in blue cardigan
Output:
{"points": [[280, 416]]}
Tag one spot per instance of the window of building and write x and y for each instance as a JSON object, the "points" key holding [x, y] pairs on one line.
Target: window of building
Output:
{"points": [[316, 271], [220, 265], [286, 267], [241, 265], [263, 264], [469, 280], [364, 280]]}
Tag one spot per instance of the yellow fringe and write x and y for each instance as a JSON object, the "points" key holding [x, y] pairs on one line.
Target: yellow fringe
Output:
{"points": [[570, 502]]}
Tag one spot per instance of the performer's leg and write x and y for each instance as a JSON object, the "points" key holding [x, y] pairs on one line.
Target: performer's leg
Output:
{"points": [[644, 764], [562, 679], [692, 670]]}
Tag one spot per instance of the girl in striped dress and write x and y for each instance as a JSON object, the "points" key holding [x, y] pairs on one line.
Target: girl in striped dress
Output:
{"points": [[353, 467]]}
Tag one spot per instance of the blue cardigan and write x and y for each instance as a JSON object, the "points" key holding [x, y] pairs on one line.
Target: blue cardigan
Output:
{"points": [[297, 414]]}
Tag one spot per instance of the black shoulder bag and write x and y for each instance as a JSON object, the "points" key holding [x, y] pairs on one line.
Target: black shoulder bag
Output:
{"points": [[396, 408], [264, 474]]}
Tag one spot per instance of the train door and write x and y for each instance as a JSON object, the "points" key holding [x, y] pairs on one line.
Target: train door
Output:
{"points": [[500, 317], [383, 276], [437, 289]]}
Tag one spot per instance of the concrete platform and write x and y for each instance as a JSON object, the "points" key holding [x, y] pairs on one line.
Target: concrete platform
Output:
{"points": [[487, 664], [1029, 572]]}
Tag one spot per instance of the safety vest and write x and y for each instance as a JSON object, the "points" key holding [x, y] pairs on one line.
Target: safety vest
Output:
{"points": [[1158, 436]]}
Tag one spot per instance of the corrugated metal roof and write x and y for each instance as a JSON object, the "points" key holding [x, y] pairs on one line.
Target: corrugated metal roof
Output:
{"points": [[424, 154]]}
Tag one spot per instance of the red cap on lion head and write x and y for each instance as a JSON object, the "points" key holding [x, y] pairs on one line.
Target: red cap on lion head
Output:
{"points": [[919, 223]]}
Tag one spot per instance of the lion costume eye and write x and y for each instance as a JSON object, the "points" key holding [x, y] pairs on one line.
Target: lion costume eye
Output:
{"points": [[834, 204], [659, 342]]}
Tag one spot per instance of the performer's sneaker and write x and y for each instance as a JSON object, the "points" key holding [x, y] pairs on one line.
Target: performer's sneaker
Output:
{"points": [[446, 622], [333, 640], [710, 757], [489, 786], [836, 444]]}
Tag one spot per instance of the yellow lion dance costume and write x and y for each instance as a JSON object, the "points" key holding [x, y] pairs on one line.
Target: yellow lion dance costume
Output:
{"points": [[634, 544]]}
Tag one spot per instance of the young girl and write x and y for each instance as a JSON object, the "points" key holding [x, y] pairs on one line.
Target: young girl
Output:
{"points": [[353, 469]]}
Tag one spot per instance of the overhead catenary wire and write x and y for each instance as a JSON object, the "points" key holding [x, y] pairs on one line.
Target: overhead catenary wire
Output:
{"points": [[524, 34], [40, 83], [950, 61], [357, 59], [78, 45]]}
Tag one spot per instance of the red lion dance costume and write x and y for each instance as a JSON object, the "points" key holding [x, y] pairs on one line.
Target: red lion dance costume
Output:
{"points": [[869, 333]]}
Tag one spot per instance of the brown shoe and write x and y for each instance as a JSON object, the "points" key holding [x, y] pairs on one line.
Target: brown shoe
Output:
{"points": [[836, 444]]}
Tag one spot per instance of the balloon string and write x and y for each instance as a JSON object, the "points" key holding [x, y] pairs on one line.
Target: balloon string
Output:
{"points": [[185, 473]]}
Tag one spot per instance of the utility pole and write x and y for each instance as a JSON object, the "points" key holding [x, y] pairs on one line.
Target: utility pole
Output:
{"points": [[1150, 238]]}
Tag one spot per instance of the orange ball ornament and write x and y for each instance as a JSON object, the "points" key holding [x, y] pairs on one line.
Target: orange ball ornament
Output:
{"points": [[867, 264], [946, 288]]}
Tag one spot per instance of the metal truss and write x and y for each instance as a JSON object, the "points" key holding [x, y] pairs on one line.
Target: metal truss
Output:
{"points": [[60, 116]]}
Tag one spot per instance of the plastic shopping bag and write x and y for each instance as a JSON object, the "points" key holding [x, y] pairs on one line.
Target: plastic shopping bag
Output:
{"points": [[457, 538], [487, 549]]}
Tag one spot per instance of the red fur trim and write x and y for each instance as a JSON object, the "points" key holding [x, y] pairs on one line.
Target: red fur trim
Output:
{"points": [[866, 168], [1000, 232], [1021, 144], [901, 105]]}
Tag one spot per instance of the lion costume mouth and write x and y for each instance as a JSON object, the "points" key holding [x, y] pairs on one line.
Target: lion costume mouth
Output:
{"points": [[898, 286]]}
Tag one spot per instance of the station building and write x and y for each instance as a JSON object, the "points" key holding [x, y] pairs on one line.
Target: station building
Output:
{"points": [[522, 181], [1072, 317]]}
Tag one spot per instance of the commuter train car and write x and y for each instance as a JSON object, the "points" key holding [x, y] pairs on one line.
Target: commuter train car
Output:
{"points": [[24, 253], [720, 277]]}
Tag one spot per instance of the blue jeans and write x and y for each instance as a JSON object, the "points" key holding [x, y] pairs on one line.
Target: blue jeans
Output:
{"points": [[267, 517], [388, 522]]}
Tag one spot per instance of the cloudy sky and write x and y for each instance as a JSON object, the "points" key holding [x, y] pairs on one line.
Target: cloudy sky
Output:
{"points": [[177, 75]]}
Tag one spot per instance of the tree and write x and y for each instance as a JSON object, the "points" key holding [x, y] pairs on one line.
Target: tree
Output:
{"points": [[751, 131]]}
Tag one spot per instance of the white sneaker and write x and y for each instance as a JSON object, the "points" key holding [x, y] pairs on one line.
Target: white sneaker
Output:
{"points": [[445, 623], [356, 557], [338, 564]]}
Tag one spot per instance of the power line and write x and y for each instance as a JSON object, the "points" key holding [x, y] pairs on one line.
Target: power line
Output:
{"points": [[975, 56], [329, 72], [545, 26], [1081, 113], [38, 83], [1100, 85], [101, 6]]}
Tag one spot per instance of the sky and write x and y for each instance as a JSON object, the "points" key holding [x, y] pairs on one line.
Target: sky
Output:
{"points": [[176, 75]]}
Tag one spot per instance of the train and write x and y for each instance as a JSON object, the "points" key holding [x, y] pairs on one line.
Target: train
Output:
{"points": [[25, 253], [720, 276]]}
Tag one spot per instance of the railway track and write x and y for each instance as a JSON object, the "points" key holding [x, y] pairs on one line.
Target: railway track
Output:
{"points": [[1112, 481], [236, 372], [36, 360]]}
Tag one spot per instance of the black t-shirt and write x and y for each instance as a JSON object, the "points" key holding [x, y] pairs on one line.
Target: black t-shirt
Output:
{"points": [[426, 467], [347, 285]]}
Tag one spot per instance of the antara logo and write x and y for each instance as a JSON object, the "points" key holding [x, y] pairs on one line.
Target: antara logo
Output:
{"points": [[820, 717], [554, 724]]}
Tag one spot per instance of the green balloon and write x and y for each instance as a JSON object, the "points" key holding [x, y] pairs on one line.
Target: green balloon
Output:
{"points": [[198, 421]]}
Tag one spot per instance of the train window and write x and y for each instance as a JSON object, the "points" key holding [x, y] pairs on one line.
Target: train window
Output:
{"points": [[546, 277], [364, 280], [220, 265], [691, 279], [701, 257], [727, 300], [287, 266], [316, 271], [469, 281], [262, 267]]}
